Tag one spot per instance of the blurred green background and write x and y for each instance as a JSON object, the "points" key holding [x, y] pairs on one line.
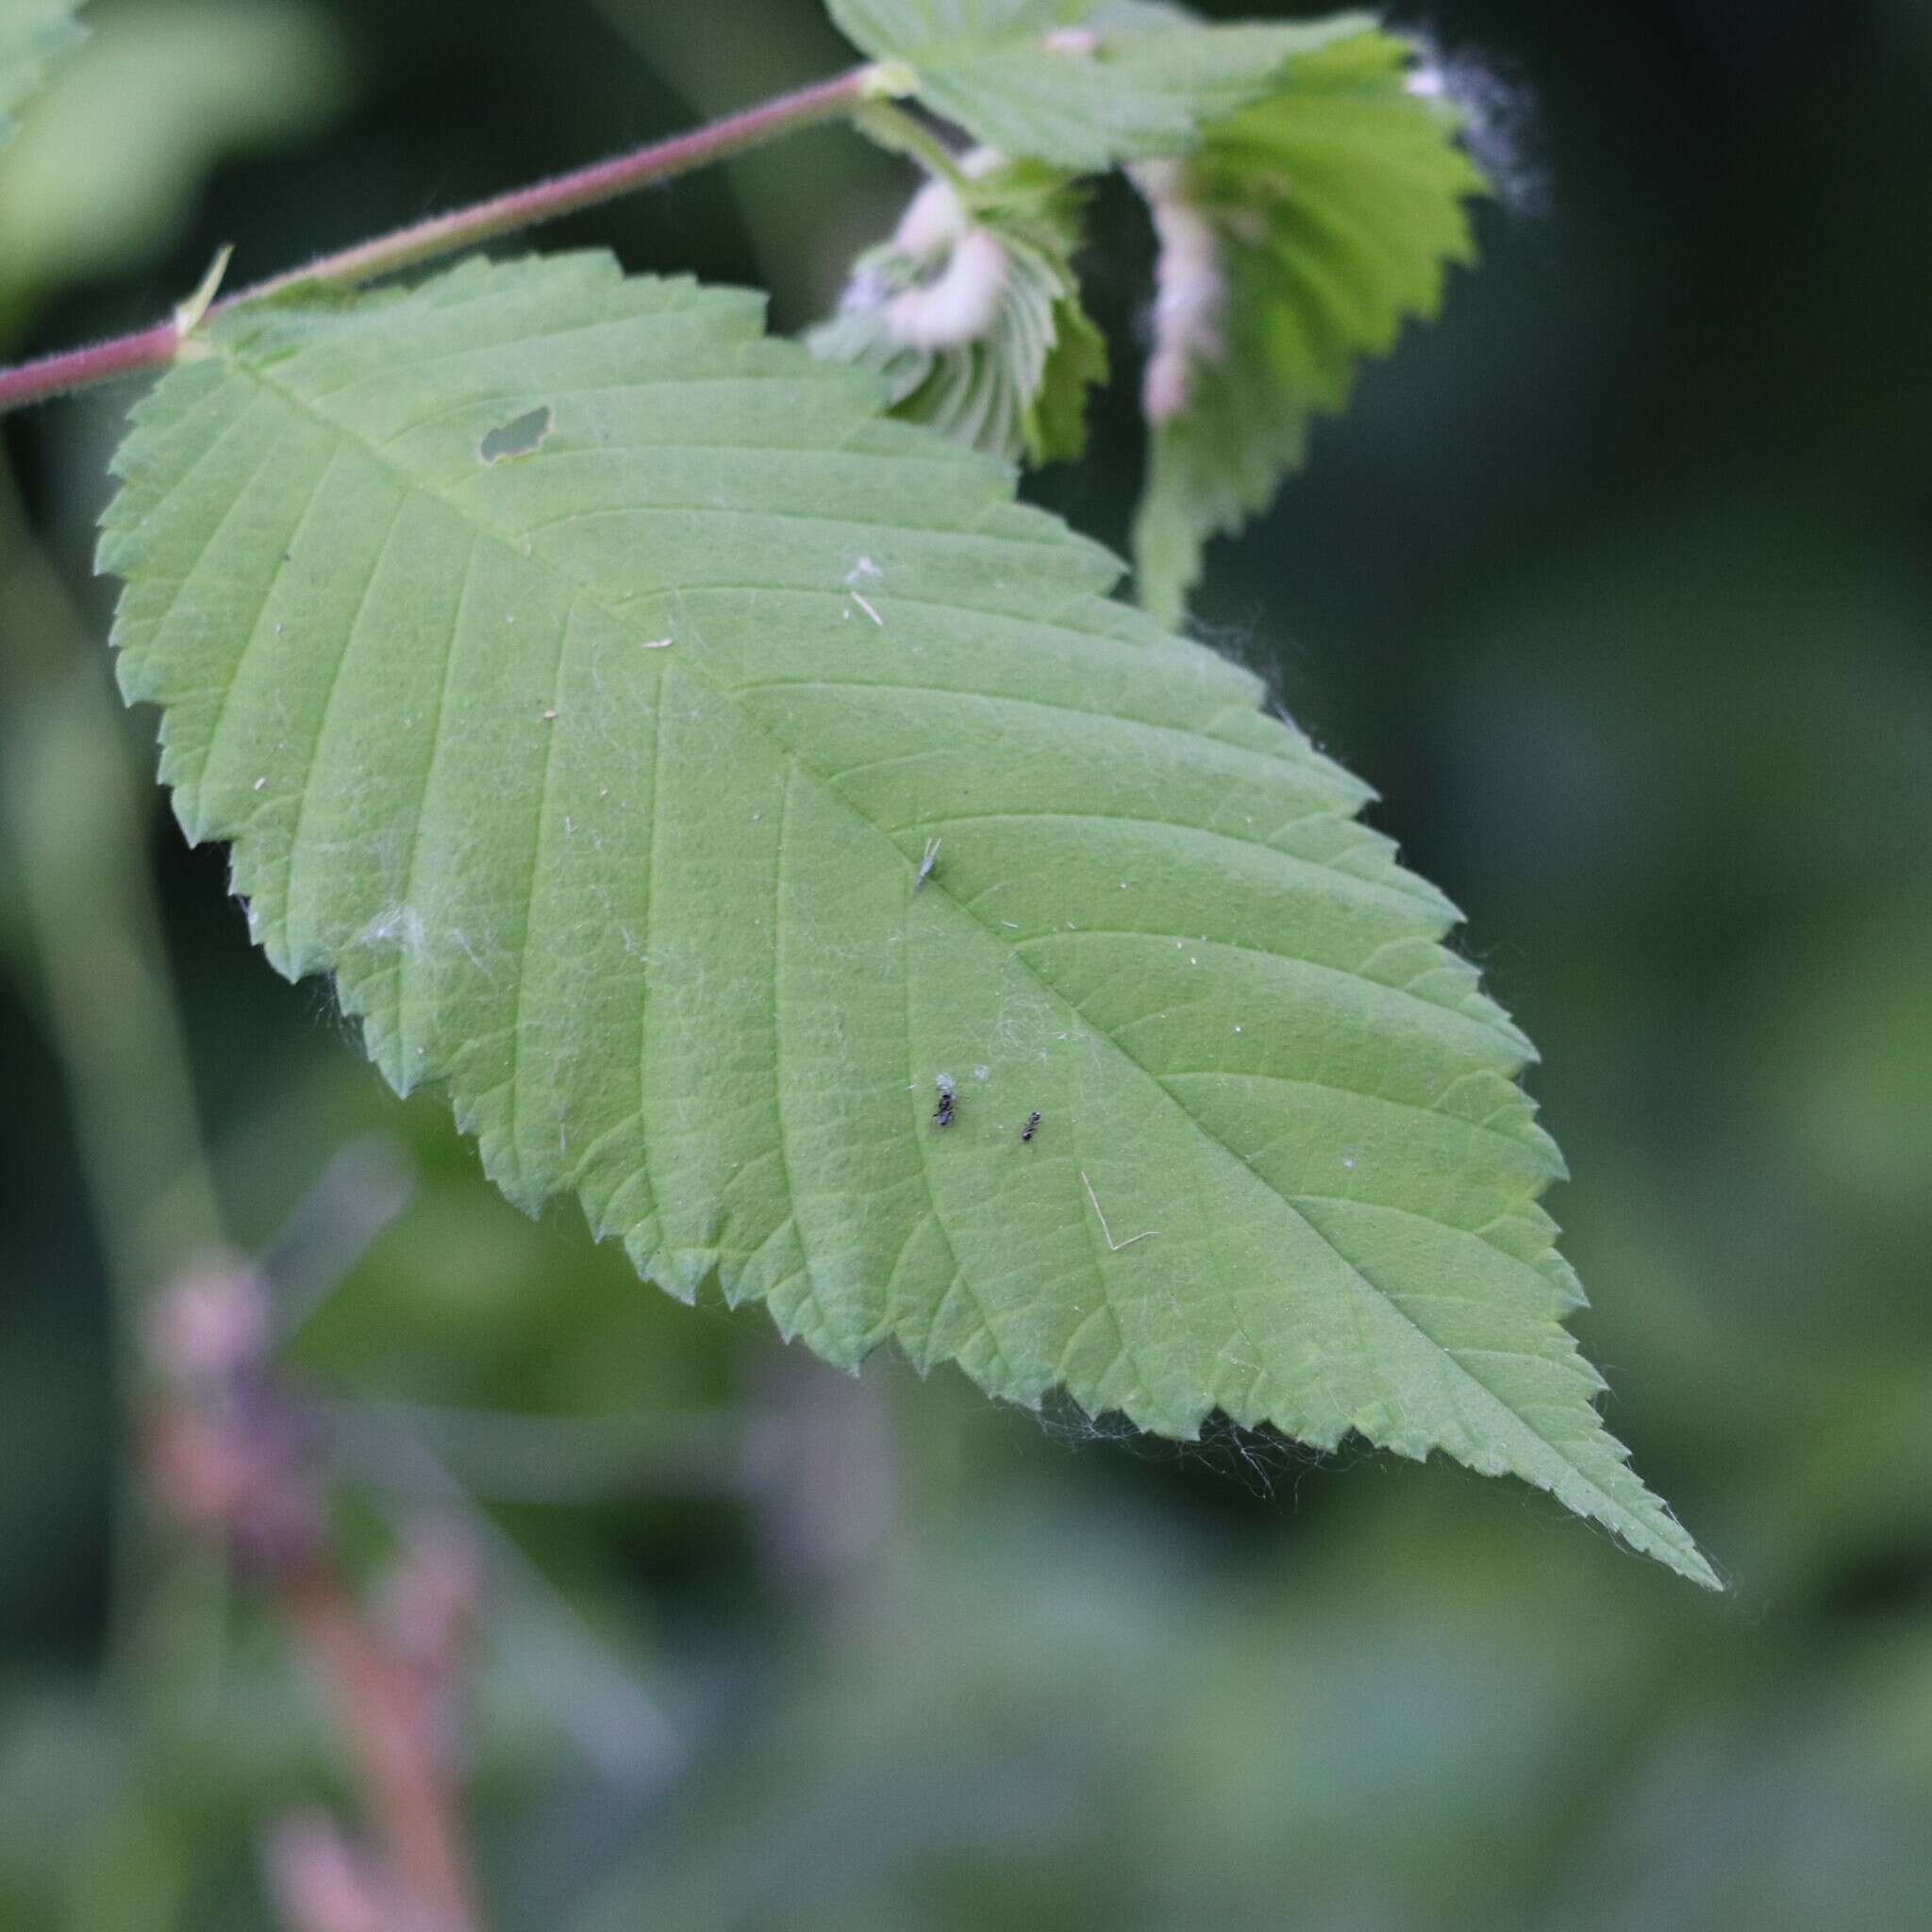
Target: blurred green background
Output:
{"points": [[1615, 583]]}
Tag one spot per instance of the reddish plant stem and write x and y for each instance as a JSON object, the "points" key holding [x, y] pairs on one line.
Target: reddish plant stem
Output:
{"points": [[523, 207], [412, 1798], [73, 369]]}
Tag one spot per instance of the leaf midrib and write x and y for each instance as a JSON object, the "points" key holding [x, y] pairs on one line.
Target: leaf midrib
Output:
{"points": [[1632, 1528]]}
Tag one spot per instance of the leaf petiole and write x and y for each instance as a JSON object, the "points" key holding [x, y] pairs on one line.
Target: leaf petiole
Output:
{"points": [[892, 128]]}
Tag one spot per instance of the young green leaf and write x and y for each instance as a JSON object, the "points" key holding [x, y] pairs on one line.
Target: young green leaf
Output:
{"points": [[757, 818], [1073, 82], [34, 33], [972, 316], [1293, 240]]}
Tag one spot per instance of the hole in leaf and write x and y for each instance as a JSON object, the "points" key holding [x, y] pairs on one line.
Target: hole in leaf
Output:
{"points": [[518, 437]]}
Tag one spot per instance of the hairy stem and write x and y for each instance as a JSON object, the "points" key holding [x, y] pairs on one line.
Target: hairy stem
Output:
{"points": [[523, 207]]}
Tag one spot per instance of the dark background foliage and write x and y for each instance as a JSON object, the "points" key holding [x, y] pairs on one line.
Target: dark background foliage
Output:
{"points": [[1615, 584]]}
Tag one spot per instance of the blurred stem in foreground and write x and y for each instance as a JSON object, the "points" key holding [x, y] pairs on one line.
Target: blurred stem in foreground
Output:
{"points": [[78, 823], [229, 1451]]}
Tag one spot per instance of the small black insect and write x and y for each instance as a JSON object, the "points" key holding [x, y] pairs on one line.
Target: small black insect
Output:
{"points": [[942, 1114], [1032, 1123]]}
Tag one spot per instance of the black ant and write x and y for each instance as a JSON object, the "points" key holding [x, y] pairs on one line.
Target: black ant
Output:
{"points": [[1032, 1123], [942, 1114]]}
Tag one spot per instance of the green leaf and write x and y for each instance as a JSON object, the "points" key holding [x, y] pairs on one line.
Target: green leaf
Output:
{"points": [[1295, 240], [698, 879], [1076, 83], [106, 173], [34, 35], [972, 317]]}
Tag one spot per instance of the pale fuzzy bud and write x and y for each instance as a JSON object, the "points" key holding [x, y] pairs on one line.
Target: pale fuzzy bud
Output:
{"points": [[1189, 293], [933, 221], [935, 218], [959, 304]]}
